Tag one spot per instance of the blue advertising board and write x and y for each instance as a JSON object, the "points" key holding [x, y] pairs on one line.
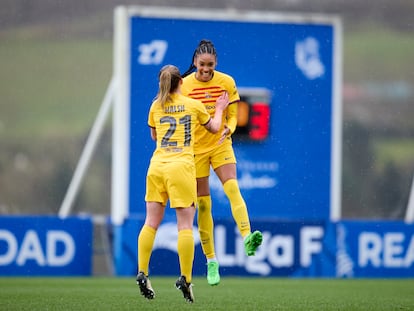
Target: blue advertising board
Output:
{"points": [[35, 246], [287, 169], [346, 249], [375, 249], [297, 249]]}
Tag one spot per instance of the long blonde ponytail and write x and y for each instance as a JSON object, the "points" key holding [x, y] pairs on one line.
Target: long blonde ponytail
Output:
{"points": [[169, 79]]}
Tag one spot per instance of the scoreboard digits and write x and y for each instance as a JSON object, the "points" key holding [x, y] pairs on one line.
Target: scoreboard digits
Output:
{"points": [[253, 114]]}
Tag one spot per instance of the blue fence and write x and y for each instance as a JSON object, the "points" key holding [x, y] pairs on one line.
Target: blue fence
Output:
{"points": [[50, 246], [45, 246], [289, 249]]}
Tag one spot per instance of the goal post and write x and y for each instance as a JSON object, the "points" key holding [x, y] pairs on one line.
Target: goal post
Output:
{"points": [[120, 141]]}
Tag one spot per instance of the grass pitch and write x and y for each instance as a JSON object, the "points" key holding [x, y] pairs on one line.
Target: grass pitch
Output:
{"points": [[98, 293]]}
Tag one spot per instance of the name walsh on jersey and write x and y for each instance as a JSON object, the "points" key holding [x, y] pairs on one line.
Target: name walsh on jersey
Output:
{"points": [[174, 108]]}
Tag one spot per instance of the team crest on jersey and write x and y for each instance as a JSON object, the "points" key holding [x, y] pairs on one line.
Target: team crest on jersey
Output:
{"points": [[208, 95]]}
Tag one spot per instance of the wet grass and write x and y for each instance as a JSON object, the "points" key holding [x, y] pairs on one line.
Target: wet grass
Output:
{"points": [[232, 294]]}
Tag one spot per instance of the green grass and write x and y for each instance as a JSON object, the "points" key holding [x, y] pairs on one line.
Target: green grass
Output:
{"points": [[393, 150], [232, 294], [379, 55]]}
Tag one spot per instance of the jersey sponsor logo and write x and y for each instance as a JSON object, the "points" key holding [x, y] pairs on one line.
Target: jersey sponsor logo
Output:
{"points": [[152, 53]]}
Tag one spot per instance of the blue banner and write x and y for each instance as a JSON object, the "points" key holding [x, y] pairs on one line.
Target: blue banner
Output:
{"points": [[375, 249], [294, 249], [35, 246], [348, 249]]}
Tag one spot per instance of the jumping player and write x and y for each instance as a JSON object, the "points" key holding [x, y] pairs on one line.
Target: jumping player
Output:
{"points": [[207, 84]]}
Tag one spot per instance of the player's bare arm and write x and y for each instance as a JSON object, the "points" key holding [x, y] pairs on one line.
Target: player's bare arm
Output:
{"points": [[221, 104]]}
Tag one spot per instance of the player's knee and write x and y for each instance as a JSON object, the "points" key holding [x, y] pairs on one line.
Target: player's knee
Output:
{"points": [[204, 204], [231, 187]]}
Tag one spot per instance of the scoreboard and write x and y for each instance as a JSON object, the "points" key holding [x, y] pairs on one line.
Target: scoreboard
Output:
{"points": [[253, 115], [288, 72]]}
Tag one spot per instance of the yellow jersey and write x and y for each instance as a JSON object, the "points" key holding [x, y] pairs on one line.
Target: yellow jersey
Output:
{"points": [[208, 92], [175, 125]]}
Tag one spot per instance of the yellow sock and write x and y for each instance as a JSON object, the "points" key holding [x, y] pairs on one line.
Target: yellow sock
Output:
{"points": [[145, 242], [206, 226], [185, 247], [238, 206]]}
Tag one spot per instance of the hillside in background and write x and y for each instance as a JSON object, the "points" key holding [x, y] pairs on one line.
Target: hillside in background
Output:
{"points": [[56, 60], [395, 14]]}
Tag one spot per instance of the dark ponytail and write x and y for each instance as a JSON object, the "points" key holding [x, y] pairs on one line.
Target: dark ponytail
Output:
{"points": [[204, 47]]}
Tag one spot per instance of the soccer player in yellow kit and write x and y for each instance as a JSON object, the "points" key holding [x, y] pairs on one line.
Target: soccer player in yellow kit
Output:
{"points": [[207, 84], [171, 175]]}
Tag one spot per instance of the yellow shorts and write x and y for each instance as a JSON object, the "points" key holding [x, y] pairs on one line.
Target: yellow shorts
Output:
{"points": [[217, 157], [174, 181]]}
